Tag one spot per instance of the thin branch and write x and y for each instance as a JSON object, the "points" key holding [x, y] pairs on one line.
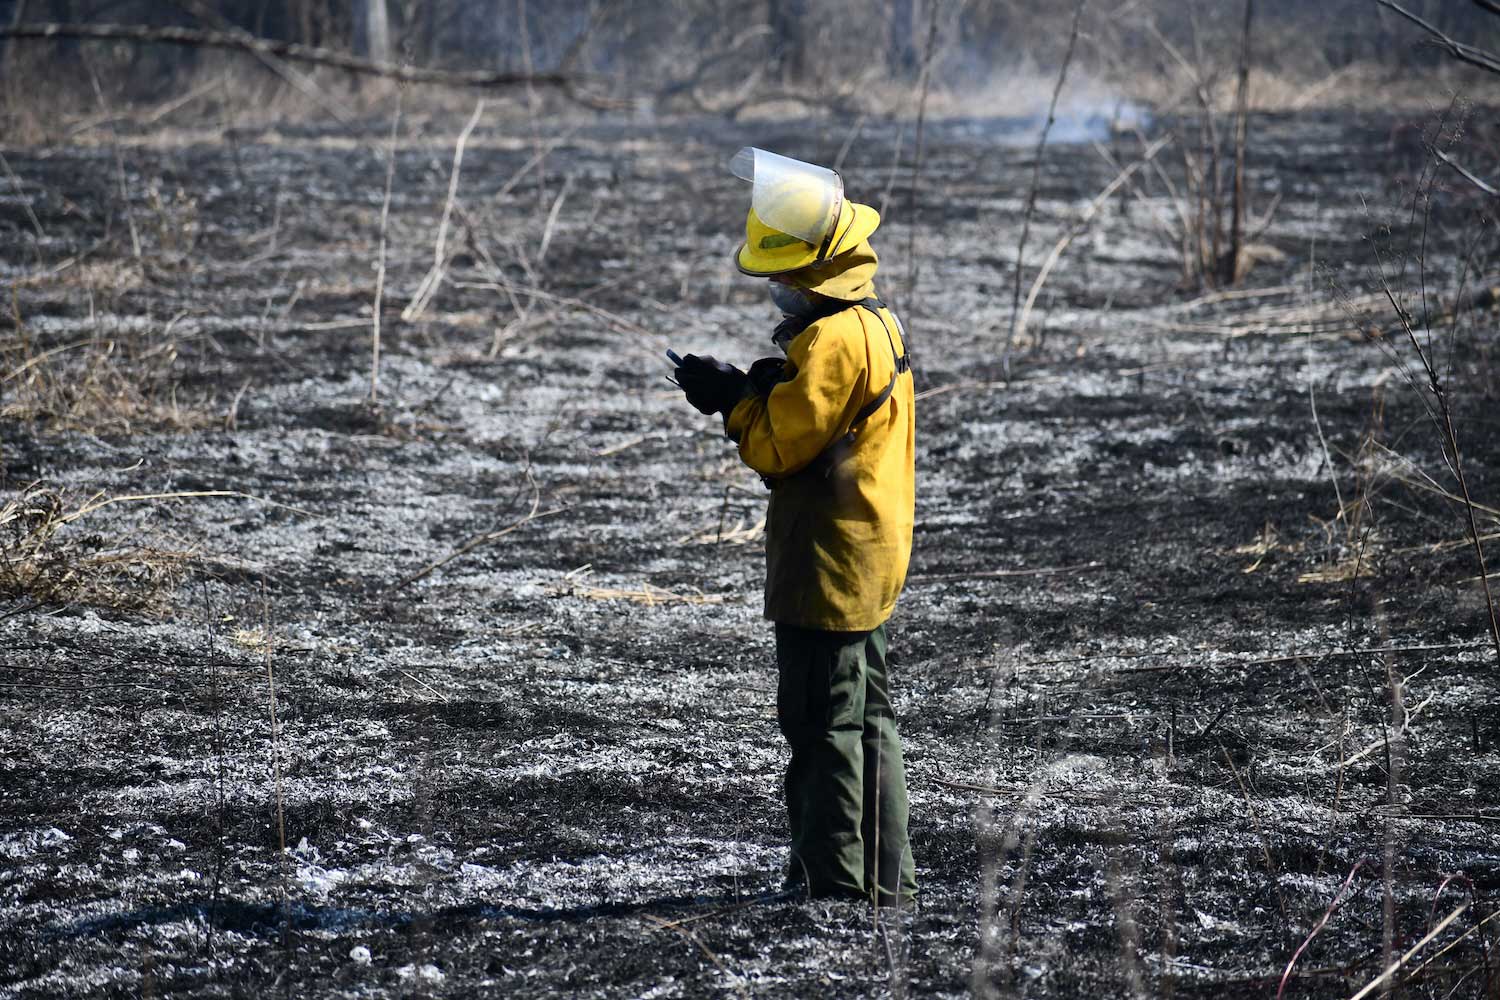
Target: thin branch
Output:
{"points": [[270, 644], [1333, 906], [1395, 966], [114, 147], [429, 286], [1458, 50], [298, 80], [916, 166], [15, 183], [1478, 182], [1265, 843], [1036, 182], [385, 213], [92, 506], [1231, 269], [1019, 329], [476, 542], [1451, 944], [996, 574], [244, 42]]}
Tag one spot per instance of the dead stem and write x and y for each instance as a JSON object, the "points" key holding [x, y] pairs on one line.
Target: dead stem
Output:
{"points": [[1328, 913], [478, 541], [270, 643], [1018, 328], [1260, 831], [385, 212], [1380, 981], [924, 83], [677, 928], [1127, 932], [434, 278], [1036, 184]]}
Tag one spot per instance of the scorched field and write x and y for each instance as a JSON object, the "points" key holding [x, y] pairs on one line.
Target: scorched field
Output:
{"points": [[463, 689]]}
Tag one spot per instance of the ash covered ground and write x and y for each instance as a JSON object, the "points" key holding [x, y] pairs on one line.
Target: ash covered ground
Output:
{"points": [[1146, 735]]}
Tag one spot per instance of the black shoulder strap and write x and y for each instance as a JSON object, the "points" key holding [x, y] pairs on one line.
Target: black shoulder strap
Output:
{"points": [[824, 464], [903, 364]]}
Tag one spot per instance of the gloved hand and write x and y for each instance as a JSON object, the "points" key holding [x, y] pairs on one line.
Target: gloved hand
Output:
{"points": [[765, 374], [712, 386]]}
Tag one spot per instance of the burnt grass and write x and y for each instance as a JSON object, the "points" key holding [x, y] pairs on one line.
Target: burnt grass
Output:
{"points": [[1147, 729]]}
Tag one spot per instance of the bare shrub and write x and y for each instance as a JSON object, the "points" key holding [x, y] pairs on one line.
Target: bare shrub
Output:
{"points": [[1431, 342]]}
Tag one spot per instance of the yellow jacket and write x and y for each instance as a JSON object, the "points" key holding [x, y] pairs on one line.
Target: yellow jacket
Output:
{"points": [[838, 538]]}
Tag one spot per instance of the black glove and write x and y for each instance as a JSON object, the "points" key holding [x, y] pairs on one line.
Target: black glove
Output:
{"points": [[711, 385], [765, 374]]}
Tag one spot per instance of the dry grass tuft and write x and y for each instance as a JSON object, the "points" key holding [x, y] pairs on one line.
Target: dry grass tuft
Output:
{"points": [[45, 558], [576, 584], [1342, 571], [97, 385]]}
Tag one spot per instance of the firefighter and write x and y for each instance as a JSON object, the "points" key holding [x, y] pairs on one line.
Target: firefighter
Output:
{"points": [[829, 427]]}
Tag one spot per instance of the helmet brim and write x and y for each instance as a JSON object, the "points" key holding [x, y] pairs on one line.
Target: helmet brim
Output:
{"points": [[855, 224]]}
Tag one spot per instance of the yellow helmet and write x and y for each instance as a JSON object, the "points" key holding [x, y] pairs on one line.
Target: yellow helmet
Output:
{"points": [[798, 214]]}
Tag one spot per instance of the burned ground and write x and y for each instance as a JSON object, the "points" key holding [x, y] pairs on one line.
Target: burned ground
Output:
{"points": [[1147, 739]]}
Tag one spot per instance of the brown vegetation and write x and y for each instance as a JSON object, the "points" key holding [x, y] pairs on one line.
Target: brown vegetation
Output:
{"points": [[45, 559]]}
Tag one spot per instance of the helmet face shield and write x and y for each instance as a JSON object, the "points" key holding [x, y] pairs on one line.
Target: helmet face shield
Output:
{"points": [[800, 199]]}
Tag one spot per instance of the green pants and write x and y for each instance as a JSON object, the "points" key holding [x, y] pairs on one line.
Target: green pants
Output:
{"points": [[846, 784]]}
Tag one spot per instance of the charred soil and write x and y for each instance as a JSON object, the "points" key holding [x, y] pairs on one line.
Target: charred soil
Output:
{"points": [[1189, 636]]}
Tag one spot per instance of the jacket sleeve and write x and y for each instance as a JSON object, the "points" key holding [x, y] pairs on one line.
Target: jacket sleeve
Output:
{"points": [[781, 433]]}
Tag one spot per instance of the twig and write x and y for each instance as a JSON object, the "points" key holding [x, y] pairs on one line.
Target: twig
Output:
{"points": [[92, 506], [114, 146], [15, 183], [299, 81], [916, 165], [647, 595], [42, 357], [1333, 906], [1312, 401], [21, 610], [434, 278], [1265, 843], [385, 212], [1380, 743], [1036, 183], [232, 417], [1395, 764], [983, 386], [625, 445], [1002, 573], [1019, 327], [1432, 487], [1395, 966], [474, 543], [1463, 53], [1442, 418], [614, 319], [219, 801], [275, 743], [724, 911], [537, 159], [552, 215], [427, 686], [199, 38], [1451, 945], [1230, 268], [1127, 931], [707, 951], [1481, 184]]}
